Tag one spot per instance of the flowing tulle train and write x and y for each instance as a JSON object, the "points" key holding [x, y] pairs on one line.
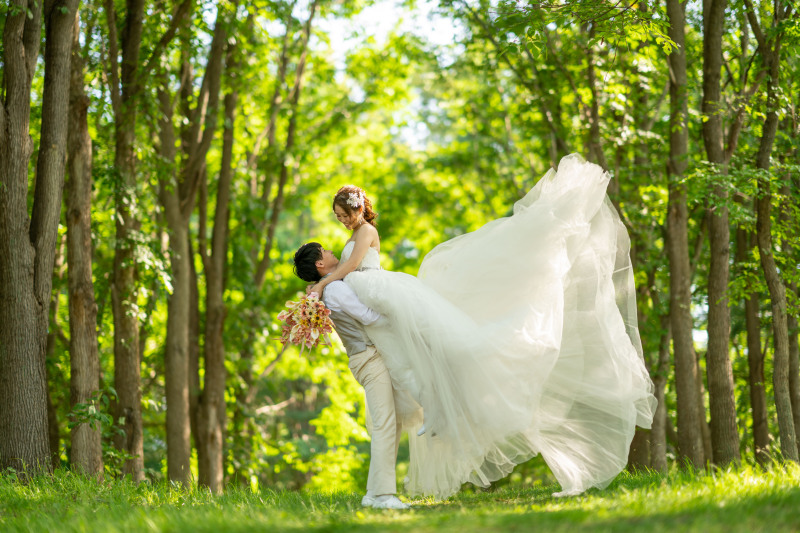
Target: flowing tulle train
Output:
{"points": [[517, 339]]}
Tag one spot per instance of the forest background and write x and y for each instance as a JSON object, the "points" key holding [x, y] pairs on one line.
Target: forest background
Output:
{"points": [[161, 161]]}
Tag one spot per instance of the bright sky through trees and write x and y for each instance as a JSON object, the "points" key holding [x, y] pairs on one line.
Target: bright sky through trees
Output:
{"points": [[378, 20], [376, 23]]}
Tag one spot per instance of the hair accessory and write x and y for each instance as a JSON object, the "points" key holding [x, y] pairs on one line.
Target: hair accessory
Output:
{"points": [[355, 200]]}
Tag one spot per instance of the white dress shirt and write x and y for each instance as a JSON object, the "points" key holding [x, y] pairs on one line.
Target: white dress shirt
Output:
{"points": [[338, 296]]}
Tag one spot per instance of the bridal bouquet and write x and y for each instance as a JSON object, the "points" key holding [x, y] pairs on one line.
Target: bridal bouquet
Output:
{"points": [[306, 322]]}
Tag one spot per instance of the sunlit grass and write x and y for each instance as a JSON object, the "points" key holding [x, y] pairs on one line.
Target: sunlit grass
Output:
{"points": [[747, 499]]}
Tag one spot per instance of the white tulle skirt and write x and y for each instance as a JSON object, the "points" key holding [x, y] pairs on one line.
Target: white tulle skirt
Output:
{"points": [[517, 339]]}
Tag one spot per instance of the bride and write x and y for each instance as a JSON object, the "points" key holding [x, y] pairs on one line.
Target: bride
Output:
{"points": [[517, 339]]}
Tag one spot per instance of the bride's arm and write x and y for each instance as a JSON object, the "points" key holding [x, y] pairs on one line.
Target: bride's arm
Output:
{"points": [[364, 238]]}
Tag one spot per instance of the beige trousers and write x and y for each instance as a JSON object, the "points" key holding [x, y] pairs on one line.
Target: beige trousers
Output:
{"points": [[370, 372]]}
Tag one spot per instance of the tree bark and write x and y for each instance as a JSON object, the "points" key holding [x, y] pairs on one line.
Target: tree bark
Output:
{"points": [[194, 358], [755, 359], [125, 91], [178, 198], [212, 404], [794, 370], [27, 249], [780, 377], [87, 452], [690, 410], [558, 145], [789, 247], [53, 431], [176, 357], [658, 435], [596, 153], [179, 448], [54, 335], [721, 394], [277, 205], [639, 452]]}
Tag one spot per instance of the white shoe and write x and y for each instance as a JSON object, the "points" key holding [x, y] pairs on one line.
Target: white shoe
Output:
{"points": [[423, 430], [367, 501], [389, 501]]}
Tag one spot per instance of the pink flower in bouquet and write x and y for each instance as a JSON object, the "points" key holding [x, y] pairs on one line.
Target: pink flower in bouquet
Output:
{"points": [[306, 322]]}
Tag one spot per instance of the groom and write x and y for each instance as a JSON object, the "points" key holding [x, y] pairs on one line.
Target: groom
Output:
{"points": [[311, 263]]}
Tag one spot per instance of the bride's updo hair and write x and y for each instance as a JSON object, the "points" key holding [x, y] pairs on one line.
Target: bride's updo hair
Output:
{"points": [[350, 198]]}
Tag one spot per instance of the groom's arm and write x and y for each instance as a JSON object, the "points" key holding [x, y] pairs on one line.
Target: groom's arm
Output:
{"points": [[341, 298]]}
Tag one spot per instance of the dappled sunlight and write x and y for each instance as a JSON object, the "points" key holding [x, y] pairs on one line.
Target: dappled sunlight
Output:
{"points": [[162, 161], [735, 500]]}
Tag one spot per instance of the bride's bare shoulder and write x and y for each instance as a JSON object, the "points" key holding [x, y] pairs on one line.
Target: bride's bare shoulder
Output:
{"points": [[370, 232]]}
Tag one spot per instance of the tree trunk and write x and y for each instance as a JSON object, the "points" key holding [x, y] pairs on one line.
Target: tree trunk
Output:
{"points": [[176, 356], [789, 247], [87, 452], [755, 359], [242, 420], [780, 377], [639, 452], [176, 365], [194, 359], [660, 374], [596, 154], [124, 289], [721, 394], [551, 118], [777, 291], [194, 355], [124, 294], [212, 407], [27, 249], [178, 198], [277, 205], [658, 435], [656, 443], [690, 414], [794, 370], [53, 429], [126, 84], [640, 448], [54, 335], [705, 428]]}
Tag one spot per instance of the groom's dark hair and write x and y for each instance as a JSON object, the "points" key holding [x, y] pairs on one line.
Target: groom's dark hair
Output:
{"points": [[305, 259]]}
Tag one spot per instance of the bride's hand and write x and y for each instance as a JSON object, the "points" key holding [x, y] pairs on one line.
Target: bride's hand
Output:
{"points": [[317, 288]]}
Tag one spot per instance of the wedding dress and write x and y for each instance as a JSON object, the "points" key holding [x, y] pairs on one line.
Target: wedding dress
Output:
{"points": [[518, 339]]}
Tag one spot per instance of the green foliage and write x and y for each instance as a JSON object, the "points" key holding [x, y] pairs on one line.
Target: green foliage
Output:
{"points": [[443, 139], [88, 413], [621, 25]]}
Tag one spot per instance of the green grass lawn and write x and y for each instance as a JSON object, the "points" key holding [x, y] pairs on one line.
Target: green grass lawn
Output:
{"points": [[744, 500]]}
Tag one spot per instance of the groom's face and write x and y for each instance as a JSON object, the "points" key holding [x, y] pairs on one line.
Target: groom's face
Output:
{"points": [[327, 263]]}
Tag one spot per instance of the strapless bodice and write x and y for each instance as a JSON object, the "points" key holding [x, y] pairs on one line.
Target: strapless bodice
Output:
{"points": [[371, 260]]}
